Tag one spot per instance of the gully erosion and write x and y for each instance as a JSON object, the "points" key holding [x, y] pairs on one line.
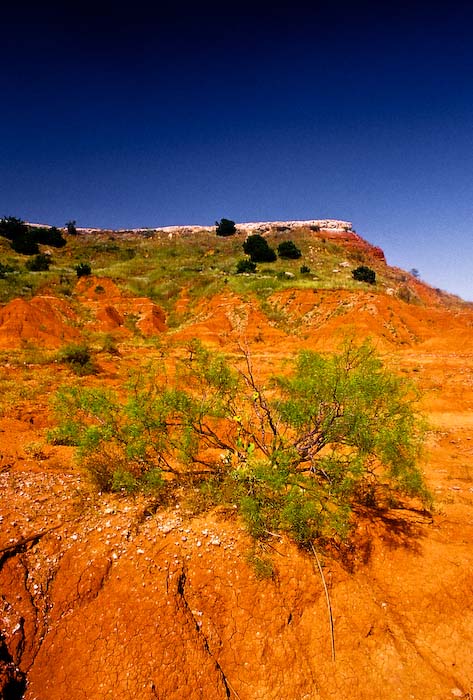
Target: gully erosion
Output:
{"points": [[107, 594]]}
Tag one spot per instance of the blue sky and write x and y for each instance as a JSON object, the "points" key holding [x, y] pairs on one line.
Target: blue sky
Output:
{"points": [[362, 111]]}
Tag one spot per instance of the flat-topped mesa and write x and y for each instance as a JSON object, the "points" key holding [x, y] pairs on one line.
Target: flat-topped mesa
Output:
{"points": [[326, 224], [265, 226], [333, 225]]}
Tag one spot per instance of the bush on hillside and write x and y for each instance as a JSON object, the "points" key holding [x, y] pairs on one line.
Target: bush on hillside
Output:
{"points": [[245, 265], [258, 249], [48, 236], [79, 358], [364, 274], [83, 269], [25, 239], [289, 250], [40, 263], [335, 432], [12, 228], [225, 227], [26, 244]]}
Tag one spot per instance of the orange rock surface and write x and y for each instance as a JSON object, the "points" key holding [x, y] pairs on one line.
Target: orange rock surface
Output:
{"points": [[111, 597]]}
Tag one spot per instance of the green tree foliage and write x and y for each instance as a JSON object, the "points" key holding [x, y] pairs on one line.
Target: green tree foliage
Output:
{"points": [[225, 227], [245, 265], [71, 228], [295, 456], [258, 249], [289, 250], [12, 228], [26, 244], [364, 274], [48, 236], [83, 269], [25, 239]]}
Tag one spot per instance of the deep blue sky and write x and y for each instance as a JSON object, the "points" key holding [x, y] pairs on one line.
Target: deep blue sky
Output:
{"points": [[355, 110]]}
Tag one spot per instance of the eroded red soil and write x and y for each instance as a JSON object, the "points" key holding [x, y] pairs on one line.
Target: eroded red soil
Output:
{"points": [[105, 597]]}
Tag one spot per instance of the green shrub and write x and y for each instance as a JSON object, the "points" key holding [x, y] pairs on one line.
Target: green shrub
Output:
{"points": [[12, 228], [225, 227], [71, 228], [26, 244], [336, 432], [258, 249], [79, 358], [289, 250], [48, 236], [39, 263], [245, 265], [83, 269], [364, 274]]}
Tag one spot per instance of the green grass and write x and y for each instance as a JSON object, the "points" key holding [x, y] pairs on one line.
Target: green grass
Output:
{"points": [[155, 266]]}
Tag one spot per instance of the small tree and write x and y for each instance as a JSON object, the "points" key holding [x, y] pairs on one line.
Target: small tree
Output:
{"points": [[83, 269], [225, 227], [289, 250], [71, 228], [26, 244], [258, 249], [48, 236], [364, 274], [12, 228]]}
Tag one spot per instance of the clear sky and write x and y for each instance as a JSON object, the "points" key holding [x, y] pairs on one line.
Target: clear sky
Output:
{"points": [[140, 118]]}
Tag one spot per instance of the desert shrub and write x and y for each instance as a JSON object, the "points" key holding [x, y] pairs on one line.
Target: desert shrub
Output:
{"points": [[225, 227], [245, 265], [79, 358], [289, 250], [304, 270], [364, 274], [336, 432], [258, 249], [83, 269], [39, 263]]}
